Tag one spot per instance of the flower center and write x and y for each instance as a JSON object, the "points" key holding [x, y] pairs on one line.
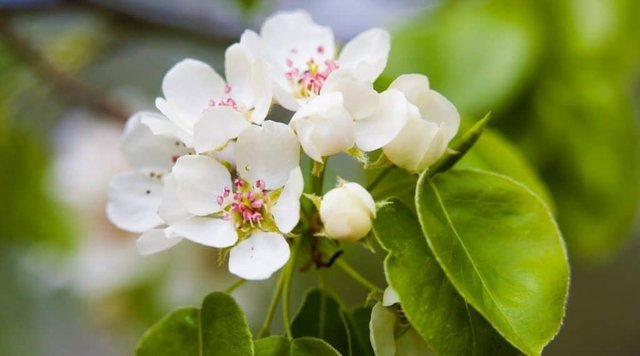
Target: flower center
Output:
{"points": [[308, 81], [225, 101], [246, 204]]}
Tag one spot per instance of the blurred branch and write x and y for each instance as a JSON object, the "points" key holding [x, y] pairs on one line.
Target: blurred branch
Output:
{"points": [[72, 88]]}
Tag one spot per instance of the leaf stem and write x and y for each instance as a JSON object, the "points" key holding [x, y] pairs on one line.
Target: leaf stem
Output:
{"points": [[235, 285], [266, 325], [356, 276], [286, 285], [459, 148], [379, 178]]}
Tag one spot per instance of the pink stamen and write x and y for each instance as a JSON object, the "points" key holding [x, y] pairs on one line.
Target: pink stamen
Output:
{"points": [[289, 62], [260, 184], [226, 193], [294, 50], [220, 199], [227, 89], [320, 50], [257, 204], [238, 183]]}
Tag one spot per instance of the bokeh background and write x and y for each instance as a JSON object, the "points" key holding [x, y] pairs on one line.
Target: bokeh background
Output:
{"points": [[561, 78]]}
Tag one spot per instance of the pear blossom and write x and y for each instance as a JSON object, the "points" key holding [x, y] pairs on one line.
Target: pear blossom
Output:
{"points": [[203, 203], [134, 197], [346, 212], [390, 333], [303, 55], [204, 111], [429, 122]]}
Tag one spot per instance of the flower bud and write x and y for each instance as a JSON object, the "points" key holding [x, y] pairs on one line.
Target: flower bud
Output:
{"points": [[346, 212]]}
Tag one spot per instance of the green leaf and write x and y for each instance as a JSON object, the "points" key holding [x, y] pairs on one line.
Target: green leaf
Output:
{"points": [[432, 305], [175, 334], [501, 249], [304, 346], [492, 152], [320, 316], [479, 54], [223, 327], [358, 322]]}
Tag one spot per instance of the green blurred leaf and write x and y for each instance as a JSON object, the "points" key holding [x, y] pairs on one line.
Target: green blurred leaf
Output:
{"points": [[305, 346], [175, 334], [358, 321], [320, 316], [430, 302], [500, 247], [223, 327], [492, 152], [479, 54]]}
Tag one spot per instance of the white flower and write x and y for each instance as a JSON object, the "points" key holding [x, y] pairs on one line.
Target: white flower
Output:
{"points": [[346, 212], [204, 111], [429, 120], [201, 202], [391, 337], [303, 55]]}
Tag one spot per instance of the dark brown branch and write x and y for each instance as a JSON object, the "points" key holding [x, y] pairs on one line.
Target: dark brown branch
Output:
{"points": [[70, 87]]}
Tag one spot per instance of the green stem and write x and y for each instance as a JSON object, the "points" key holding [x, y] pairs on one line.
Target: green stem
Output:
{"points": [[266, 325], [288, 275], [356, 276], [379, 179], [317, 182], [235, 285]]}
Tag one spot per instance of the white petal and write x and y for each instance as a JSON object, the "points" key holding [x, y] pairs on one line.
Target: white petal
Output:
{"points": [[262, 85], [171, 209], [293, 35], [386, 122], [410, 343], [390, 297], [160, 125], [441, 111], [286, 212], [133, 201], [183, 123], [269, 153], [407, 149], [259, 256], [207, 231], [381, 331], [154, 241], [216, 127], [436, 148], [415, 87], [323, 126], [189, 85], [146, 151], [200, 180], [362, 195], [227, 154], [367, 54], [283, 95], [432, 105], [238, 64], [360, 99]]}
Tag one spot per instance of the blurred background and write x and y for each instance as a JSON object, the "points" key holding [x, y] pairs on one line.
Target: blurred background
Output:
{"points": [[561, 78]]}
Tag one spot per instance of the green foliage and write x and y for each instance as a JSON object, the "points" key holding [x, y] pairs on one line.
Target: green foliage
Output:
{"points": [[501, 249], [358, 321], [223, 327], [479, 54], [175, 334], [432, 305], [304, 346], [320, 316], [219, 327]]}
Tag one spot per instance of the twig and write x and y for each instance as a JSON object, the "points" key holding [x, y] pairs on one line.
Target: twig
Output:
{"points": [[72, 88]]}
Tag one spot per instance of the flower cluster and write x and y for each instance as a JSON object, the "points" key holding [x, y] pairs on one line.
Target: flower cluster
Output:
{"points": [[212, 168]]}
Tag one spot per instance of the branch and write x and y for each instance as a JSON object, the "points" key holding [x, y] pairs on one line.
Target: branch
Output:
{"points": [[70, 87]]}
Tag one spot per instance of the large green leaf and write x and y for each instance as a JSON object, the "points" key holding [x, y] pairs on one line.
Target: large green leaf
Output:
{"points": [[430, 302], [358, 320], [223, 327], [304, 346], [479, 54], [175, 334], [494, 153], [501, 249], [320, 316]]}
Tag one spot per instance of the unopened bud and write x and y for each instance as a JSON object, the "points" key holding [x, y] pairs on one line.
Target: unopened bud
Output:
{"points": [[346, 212]]}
